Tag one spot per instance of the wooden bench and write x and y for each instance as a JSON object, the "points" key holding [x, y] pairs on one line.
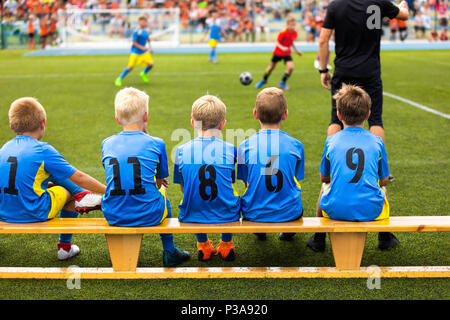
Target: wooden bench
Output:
{"points": [[347, 241]]}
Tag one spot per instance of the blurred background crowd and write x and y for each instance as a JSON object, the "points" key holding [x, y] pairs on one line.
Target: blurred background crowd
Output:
{"points": [[38, 21]]}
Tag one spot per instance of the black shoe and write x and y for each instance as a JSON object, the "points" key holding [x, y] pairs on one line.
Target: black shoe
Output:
{"points": [[391, 177], [285, 236], [172, 259], [317, 242], [261, 236], [387, 241]]}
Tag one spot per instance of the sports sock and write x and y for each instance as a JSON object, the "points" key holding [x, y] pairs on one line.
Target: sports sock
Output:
{"points": [[201, 237], [226, 237], [124, 73], [147, 69], [285, 77], [167, 242], [67, 184], [67, 237], [266, 76]]}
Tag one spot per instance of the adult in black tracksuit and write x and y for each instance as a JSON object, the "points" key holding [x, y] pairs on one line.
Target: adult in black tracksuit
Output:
{"points": [[357, 28]]}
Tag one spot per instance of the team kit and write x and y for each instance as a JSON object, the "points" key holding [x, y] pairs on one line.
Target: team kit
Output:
{"points": [[38, 184]]}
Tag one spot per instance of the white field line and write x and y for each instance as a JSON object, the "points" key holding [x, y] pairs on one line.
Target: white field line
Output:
{"points": [[417, 105]]}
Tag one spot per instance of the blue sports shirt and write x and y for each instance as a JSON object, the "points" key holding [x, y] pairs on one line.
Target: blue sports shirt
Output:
{"points": [[272, 163], [141, 37], [214, 31], [205, 167], [132, 160], [26, 167], [355, 160]]}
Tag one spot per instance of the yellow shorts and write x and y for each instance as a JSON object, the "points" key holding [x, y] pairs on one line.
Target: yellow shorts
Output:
{"points": [[383, 215], [163, 192], [213, 43], [140, 59], [58, 196]]}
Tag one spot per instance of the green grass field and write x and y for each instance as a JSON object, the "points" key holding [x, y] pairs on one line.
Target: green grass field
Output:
{"points": [[78, 94]]}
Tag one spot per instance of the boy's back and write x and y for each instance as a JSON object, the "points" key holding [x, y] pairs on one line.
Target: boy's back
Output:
{"points": [[205, 167], [132, 160], [272, 163], [356, 159], [25, 166]]}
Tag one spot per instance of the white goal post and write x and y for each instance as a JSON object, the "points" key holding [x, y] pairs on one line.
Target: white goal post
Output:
{"points": [[113, 28]]}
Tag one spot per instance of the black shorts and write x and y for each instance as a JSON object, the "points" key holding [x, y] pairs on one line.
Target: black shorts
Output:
{"points": [[374, 88], [276, 59], [31, 35]]}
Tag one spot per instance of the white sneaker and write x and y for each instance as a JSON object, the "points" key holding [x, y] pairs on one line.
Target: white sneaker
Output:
{"points": [[87, 201], [317, 64], [64, 253]]}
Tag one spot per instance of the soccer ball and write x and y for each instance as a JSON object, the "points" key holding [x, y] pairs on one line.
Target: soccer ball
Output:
{"points": [[246, 78]]}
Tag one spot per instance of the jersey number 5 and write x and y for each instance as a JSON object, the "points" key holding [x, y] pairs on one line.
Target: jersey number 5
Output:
{"points": [[118, 191], [359, 166]]}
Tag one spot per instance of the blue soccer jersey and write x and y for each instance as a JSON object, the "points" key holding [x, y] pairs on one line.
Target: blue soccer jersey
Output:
{"points": [[132, 160], [214, 31], [26, 166], [272, 163], [355, 160], [205, 167], [141, 37]]}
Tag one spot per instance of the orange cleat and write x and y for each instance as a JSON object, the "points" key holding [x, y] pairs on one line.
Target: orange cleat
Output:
{"points": [[226, 250], [205, 250]]}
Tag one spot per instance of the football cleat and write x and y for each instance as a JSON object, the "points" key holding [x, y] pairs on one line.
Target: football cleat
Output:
{"points": [[205, 250], [86, 201], [260, 84], [67, 251], [118, 82], [143, 76], [261, 236], [286, 236], [317, 242], [387, 241], [173, 259], [283, 85], [226, 250]]}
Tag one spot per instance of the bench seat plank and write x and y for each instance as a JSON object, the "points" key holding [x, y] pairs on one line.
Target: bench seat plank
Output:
{"points": [[307, 224]]}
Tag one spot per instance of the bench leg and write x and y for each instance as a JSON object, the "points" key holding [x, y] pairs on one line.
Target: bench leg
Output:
{"points": [[348, 248], [124, 250]]}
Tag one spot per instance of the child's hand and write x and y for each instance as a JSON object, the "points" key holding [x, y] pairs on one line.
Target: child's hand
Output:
{"points": [[162, 183], [299, 53]]}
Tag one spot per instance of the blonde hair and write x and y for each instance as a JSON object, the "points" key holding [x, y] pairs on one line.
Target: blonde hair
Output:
{"points": [[353, 104], [270, 105], [290, 18], [26, 115], [130, 105], [209, 110]]}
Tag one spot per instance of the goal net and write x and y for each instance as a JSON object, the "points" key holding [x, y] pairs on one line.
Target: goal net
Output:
{"points": [[98, 28]]}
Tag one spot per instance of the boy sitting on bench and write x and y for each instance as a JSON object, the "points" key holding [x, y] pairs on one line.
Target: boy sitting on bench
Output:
{"points": [[354, 170]]}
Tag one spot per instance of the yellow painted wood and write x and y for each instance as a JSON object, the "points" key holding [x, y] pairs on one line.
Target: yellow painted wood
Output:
{"points": [[124, 250], [227, 272], [307, 224], [348, 249]]}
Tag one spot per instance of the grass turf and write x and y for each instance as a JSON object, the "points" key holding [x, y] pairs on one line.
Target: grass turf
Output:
{"points": [[78, 94]]}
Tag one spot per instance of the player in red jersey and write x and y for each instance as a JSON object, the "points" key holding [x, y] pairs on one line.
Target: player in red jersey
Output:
{"points": [[285, 41]]}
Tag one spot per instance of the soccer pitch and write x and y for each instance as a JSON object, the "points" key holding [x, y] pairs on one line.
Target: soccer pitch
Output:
{"points": [[78, 94]]}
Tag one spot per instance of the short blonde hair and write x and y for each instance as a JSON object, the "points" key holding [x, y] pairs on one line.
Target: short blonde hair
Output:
{"points": [[290, 18], [209, 110], [270, 105], [353, 104], [26, 115], [130, 105]]}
